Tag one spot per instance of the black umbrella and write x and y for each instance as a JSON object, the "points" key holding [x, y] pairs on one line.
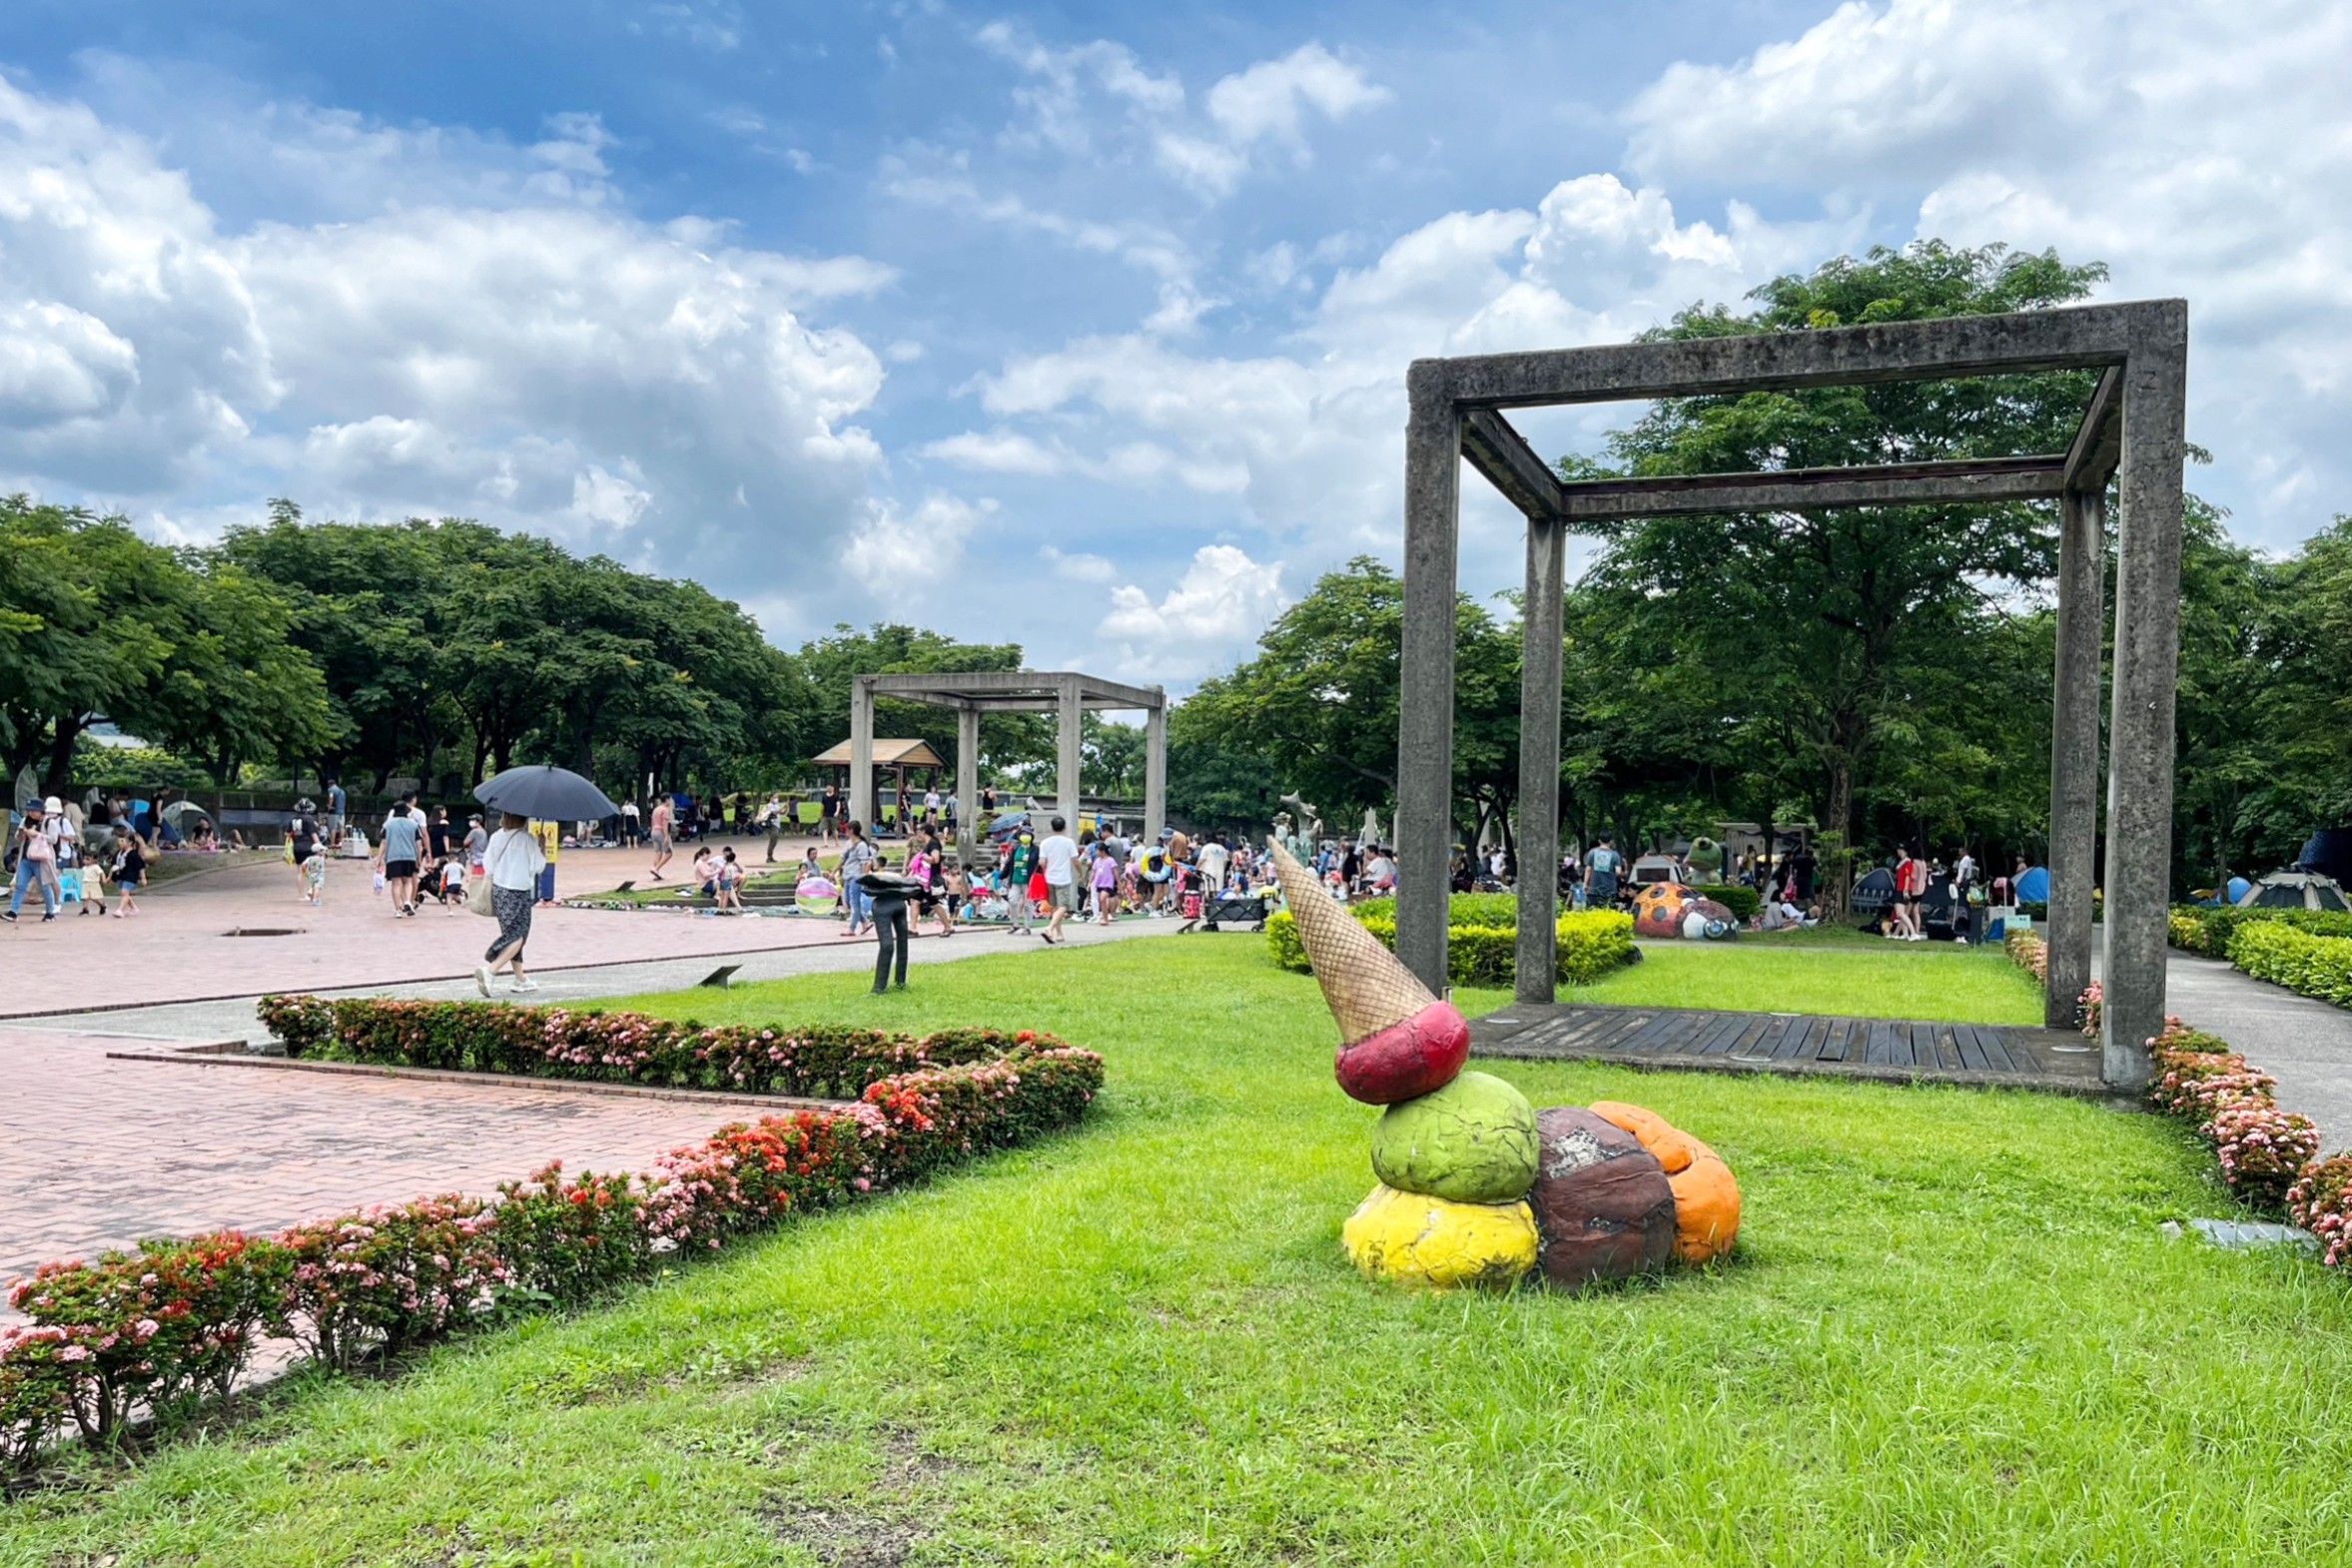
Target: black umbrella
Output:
{"points": [[549, 794]]}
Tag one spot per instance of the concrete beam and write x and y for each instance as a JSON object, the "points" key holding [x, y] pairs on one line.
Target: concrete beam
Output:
{"points": [[1502, 454], [1966, 482], [1045, 685], [860, 750], [1425, 720], [2098, 443], [1537, 957], [1155, 773], [2074, 751], [2139, 729], [2079, 338]]}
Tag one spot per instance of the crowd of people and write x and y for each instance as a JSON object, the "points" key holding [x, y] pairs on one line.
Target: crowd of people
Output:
{"points": [[71, 853]]}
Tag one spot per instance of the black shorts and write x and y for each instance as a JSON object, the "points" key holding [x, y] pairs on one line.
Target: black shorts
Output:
{"points": [[397, 870]]}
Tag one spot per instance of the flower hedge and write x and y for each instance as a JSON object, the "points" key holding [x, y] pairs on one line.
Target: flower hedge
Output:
{"points": [[155, 1333], [823, 1061], [1482, 944], [2262, 1150]]}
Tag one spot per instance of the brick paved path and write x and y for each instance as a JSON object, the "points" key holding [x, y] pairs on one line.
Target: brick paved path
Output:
{"points": [[176, 948], [95, 1153]]}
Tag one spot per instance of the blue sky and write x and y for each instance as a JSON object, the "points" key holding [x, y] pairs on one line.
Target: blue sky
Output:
{"points": [[1081, 325]]}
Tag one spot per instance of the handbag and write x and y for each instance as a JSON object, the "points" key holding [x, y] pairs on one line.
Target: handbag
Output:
{"points": [[477, 896]]}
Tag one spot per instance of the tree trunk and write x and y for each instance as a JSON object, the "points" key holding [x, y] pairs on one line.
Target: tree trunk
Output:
{"points": [[61, 754], [1836, 878]]}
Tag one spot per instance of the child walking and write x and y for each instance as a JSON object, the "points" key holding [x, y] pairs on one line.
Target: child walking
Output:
{"points": [[130, 875]]}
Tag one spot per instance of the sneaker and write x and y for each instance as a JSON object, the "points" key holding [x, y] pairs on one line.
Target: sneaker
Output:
{"points": [[482, 979], [526, 984], [8, 915]]}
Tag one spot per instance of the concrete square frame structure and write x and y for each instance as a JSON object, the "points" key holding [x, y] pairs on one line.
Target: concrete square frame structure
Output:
{"points": [[1063, 693], [2131, 431]]}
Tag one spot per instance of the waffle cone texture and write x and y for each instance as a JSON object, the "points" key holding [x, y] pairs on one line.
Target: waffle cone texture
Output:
{"points": [[1367, 987]]}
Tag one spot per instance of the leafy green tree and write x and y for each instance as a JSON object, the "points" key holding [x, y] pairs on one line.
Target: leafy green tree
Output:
{"points": [[1112, 758], [1843, 651], [1318, 704]]}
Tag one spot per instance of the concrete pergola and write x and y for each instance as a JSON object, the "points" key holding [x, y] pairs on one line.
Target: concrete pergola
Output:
{"points": [[1061, 692], [2133, 424]]}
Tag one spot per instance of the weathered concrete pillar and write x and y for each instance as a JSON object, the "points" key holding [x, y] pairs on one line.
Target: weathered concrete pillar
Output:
{"points": [[1538, 953], [1065, 772], [1425, 721], [2147, 650], [2074, 750], [1155, 769], [860, 750], [967, 776]]}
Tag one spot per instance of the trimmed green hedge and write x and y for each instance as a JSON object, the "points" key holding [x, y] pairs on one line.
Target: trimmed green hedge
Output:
{"points": [[2286, 955], [1592, 943], [2198, 928], [1742, 902]]}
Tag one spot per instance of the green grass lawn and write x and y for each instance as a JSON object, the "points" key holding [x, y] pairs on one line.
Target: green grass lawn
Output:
{"points": [[1951, 1335], [1838, 973]]}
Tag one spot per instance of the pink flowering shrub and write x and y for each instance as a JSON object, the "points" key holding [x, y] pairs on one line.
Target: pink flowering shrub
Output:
{"points": [[2027, 951], [2321, 1202], [2087, 1007], [148, 1334], [2261, 1148], [147, 1330], [381, 1282], [825, 1062]]}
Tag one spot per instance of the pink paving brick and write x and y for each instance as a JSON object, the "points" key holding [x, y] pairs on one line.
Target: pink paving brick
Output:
{"points": [[97, 1153]]}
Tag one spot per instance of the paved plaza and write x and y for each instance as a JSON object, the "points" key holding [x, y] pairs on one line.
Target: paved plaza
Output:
{"points": [[97, 1150]]}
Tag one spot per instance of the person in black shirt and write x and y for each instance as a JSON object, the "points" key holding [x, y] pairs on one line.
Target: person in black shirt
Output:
{"points": [[888, 896]]}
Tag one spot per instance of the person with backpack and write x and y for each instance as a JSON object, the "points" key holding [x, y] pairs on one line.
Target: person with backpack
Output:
{"points": [[303, 835]]}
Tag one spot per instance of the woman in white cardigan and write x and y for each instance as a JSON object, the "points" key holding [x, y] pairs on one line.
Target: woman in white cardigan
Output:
{"points": [[513, 860]]}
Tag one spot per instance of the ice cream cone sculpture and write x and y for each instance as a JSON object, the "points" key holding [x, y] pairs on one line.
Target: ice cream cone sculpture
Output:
{"points": [[1475, 1187]]}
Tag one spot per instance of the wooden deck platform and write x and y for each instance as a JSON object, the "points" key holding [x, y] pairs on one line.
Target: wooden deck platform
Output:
{"points": [[1887, 1050]]}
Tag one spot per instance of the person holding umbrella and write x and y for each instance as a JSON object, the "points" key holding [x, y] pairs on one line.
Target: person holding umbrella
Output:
{"points": [[513, 861]]}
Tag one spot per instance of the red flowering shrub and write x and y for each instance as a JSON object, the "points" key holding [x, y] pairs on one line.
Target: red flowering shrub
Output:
{"points": [[747, 1176], [2193, 1085], [151, 1330], [303, 1023], [384, 1280], [564, 1238], [2087, 1007], [2321, 1202]]}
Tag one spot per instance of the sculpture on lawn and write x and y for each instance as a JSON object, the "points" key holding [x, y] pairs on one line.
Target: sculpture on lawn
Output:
{"points": [[1477, 1187]]}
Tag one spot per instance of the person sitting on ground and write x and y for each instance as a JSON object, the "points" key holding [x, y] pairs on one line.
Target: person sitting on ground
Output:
{"points": [[706, 871]]}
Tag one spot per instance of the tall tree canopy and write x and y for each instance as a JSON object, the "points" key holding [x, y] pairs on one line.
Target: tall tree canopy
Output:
{"points": [[1857, 657]]}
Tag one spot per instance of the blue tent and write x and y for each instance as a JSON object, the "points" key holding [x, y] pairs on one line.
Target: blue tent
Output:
{"points": [[2033, 886]]}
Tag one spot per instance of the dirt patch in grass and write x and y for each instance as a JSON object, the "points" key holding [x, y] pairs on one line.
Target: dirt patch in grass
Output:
{"points": [[878, 1528]]}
